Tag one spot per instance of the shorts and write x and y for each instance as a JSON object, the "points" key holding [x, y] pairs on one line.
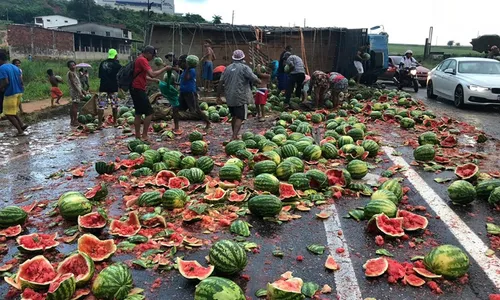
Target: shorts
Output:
{"points": [[359, 67], [189, 100], [239, 112], [55, 92], [141, 102], [208, 71], [216, 76], [261, 96], [106, 100], [11, 104]]}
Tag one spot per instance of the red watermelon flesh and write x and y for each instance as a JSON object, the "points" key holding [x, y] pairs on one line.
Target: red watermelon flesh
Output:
{"points": [[191, 269], [287, 191], [411, 221], [38, 241], [293, 285], [396, 270], [76, 266], [216, 195], [11, 231], [449, 142], [335, 177], [178, 182], [38, 270], [54, 285], [29, 294], [375, 267], [235, 197], [126, 228], [466, 171], [390, 226], [163, 177], [414, 280], [92, 220], [91, 194]]}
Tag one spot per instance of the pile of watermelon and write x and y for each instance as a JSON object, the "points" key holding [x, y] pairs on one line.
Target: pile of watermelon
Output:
{"points": [[301, 161]]}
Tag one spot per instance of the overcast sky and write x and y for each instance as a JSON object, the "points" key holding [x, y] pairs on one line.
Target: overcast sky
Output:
{"points": [[406, 21]]}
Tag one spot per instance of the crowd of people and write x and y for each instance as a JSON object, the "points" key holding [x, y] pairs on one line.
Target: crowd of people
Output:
{"points": [[235, 81]]}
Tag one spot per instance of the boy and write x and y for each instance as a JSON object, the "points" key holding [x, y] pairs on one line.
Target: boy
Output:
{"points": [[75, 91], [188, 98], [208, 65], [262, 92], [55, 91]]}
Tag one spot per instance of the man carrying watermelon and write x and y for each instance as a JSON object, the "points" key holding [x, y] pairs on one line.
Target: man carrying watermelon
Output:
{"points": [[297, 76], [282, 75], [236, 81], [142, 73]]}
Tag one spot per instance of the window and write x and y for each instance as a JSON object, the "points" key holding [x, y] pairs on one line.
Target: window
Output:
{"points": [[39, 20], [452, 65], [48, 20], [108, 33], [479, 67], [445, 65]]}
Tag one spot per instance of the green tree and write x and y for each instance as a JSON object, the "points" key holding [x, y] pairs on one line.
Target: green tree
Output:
{"points": [[194, 18], [216, 19]]}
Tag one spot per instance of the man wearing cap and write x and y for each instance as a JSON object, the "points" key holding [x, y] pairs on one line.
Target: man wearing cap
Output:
{"points": [[494, 52], [236, 81], [143, 73], [108, 87], [208, 65]]}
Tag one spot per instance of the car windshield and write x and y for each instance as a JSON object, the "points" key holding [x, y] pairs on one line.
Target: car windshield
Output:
{"points": [[479, 67]]}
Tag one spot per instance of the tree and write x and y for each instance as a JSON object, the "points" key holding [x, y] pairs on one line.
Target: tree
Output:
{"points": [[450, 43], [216, 19], [194, 18], [457, 44]]}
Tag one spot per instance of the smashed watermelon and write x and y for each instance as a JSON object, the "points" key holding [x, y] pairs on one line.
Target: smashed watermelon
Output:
{"points": [[178, 183], [287, 191], [336, 177], [467, 172], [163, 177], [127, 228], [236, 197], [411, 221], [381, 223], [375, 267], [191, 269]]}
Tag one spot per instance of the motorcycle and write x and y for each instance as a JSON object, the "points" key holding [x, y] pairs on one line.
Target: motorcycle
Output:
{"points": [[407, 77]]}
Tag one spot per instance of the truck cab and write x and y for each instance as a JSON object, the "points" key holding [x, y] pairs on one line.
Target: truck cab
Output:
{"points": [[379, 58]]}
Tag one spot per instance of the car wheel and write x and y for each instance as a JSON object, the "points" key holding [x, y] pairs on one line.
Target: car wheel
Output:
{"points": [[459, 97], [430, 91], [423, 84]]}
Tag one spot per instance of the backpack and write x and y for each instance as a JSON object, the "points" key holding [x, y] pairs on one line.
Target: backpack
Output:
{"points": [[125, 76]]}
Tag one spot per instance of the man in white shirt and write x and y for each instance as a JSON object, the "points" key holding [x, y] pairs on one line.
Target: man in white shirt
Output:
{"points": [[408, 61]]}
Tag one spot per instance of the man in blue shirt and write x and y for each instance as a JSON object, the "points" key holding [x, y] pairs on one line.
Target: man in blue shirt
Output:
{"points": [[11, 84], [188, 98]]}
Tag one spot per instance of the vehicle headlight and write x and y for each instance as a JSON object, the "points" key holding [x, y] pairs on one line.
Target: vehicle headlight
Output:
{"points": [[477, 88], [413, 72]]}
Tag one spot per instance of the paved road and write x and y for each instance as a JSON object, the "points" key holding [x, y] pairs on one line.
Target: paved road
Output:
{"points": [[27, 162]]}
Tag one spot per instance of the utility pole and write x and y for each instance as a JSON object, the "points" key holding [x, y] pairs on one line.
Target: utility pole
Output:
{"points": [[232, 20], [304, 22]]}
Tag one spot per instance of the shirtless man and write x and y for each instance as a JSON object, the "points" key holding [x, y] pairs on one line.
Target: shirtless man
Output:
{"points": [[262, 91], [208, 65], [55, 91]]}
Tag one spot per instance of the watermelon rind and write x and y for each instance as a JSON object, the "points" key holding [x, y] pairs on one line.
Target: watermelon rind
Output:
{"points": [[113, 282], [63, 289], [447, 260], [218, 288], [81, 279]]}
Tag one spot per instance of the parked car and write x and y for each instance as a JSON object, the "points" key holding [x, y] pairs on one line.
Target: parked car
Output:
{"points": [[466, 80], [394, 65]]}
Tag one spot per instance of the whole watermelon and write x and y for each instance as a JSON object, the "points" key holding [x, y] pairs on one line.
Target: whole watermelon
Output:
{"points": [[218, 288], [192, 61], [228, 257], [114, 282]]}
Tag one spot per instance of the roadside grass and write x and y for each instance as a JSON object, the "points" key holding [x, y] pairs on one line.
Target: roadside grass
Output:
{"points": [[418, 50]]}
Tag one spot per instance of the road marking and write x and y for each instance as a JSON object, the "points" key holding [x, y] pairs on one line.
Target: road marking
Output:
{"points": [[465, 236], [345, 279]]}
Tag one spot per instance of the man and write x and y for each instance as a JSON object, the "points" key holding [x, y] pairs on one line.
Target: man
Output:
{"points": [[143, 73], [217, 74], [11, 84], [75, 91], [494, 52], [358, 62], [236, 82], [274, 66], [282, 76], [296, 77], [55, 91], [208, 65], [408, 61], [171, 59], [108, 69]]}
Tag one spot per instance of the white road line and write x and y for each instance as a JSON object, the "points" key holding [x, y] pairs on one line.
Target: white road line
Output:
{"points": [[465, 236], [345, 279]]}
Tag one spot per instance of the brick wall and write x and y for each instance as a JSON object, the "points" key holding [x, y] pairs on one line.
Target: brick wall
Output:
{"points": [[39, 42]]}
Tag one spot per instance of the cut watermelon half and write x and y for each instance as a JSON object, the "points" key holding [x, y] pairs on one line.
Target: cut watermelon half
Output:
{"points": [[331, 264], [191, 269], [235, 197], [37, 242], [163, 177], [127, 228], [375, 267], [178, 183], [290, 288], [411, 221], [381, 223], [218, 195], [91, 222], [449, 142], [336, 177], [287, 191], [467, 172], [11, 231]]}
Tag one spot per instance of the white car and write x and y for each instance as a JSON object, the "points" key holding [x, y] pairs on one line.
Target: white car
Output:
{"points": [[466, 80]]}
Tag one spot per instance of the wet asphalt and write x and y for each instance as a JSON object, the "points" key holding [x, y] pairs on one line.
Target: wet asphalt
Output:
{"points": [[25, 164]]}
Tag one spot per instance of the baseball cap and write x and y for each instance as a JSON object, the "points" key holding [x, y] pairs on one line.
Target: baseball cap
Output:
{"points": [[238, 55], [112, 53], [149, 49]]}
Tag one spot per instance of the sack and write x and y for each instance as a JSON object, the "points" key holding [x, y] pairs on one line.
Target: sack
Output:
{"points": [[125, 76], [91, 106]]}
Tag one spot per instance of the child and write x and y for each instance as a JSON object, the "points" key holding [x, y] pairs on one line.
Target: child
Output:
{"points": [[188, 98], [262, 91], [16, 62], [55, 91], [75, 91]]}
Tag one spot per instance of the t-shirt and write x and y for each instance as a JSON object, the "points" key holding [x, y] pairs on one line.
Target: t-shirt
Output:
{"points": [[237, 80], [275, 69], [297, 63], [13, 74], [188, 86], [220, 69], [141, 67], [108, 70]]}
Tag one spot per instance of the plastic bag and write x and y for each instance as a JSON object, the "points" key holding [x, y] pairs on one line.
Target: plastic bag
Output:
{"points": [[168, 91]]}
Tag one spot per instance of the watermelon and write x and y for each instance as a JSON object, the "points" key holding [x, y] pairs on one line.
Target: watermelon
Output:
{"points": [[302, 145], [266, 183], [195, 175], [144, 171], [192, 61], [339, 177], [13, 215], [199, 148], [329, 151], [317, 179], [356, 134], [240, 227], [357, 168], [113, 282], [80, 265], [244, 155], [447, 260], [163, 177], [395, 187], [230, 173], [285, 170], [317, 118], [173, 160], [467, 172], [191, 269], [150, 158], [264, 205], [142, 148], [375, 267], [95, 248], [411, 221], [461, 192], [392, 227], [174, 198], [36, 273], [104, 168], [494, 198], [297, 162], [218, 195], [63, 287], [407, 123], [228, 257], [484, 188], [375, 207], [73, 204], [299, 181], [285, 288], [214, 288], [91, 222], [385, 194], [287, 191], [233, 147], [424, 153], [195, 136], [344, 140], [265, 166], [237, 162], [428, 138], [159, 166], [279, 139], [127, 228], [37, 242], [206, 164], [312, 152], [289, 151], [371, 146]]}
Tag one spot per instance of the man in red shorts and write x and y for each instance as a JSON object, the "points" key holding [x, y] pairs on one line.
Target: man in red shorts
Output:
{"points": [[262, 92]]}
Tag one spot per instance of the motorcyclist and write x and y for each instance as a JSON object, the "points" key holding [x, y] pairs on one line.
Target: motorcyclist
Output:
{"points": [[408, 61]]}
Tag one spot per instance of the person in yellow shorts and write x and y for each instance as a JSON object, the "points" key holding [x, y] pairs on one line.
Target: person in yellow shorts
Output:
{"points": [[11, 83]]}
